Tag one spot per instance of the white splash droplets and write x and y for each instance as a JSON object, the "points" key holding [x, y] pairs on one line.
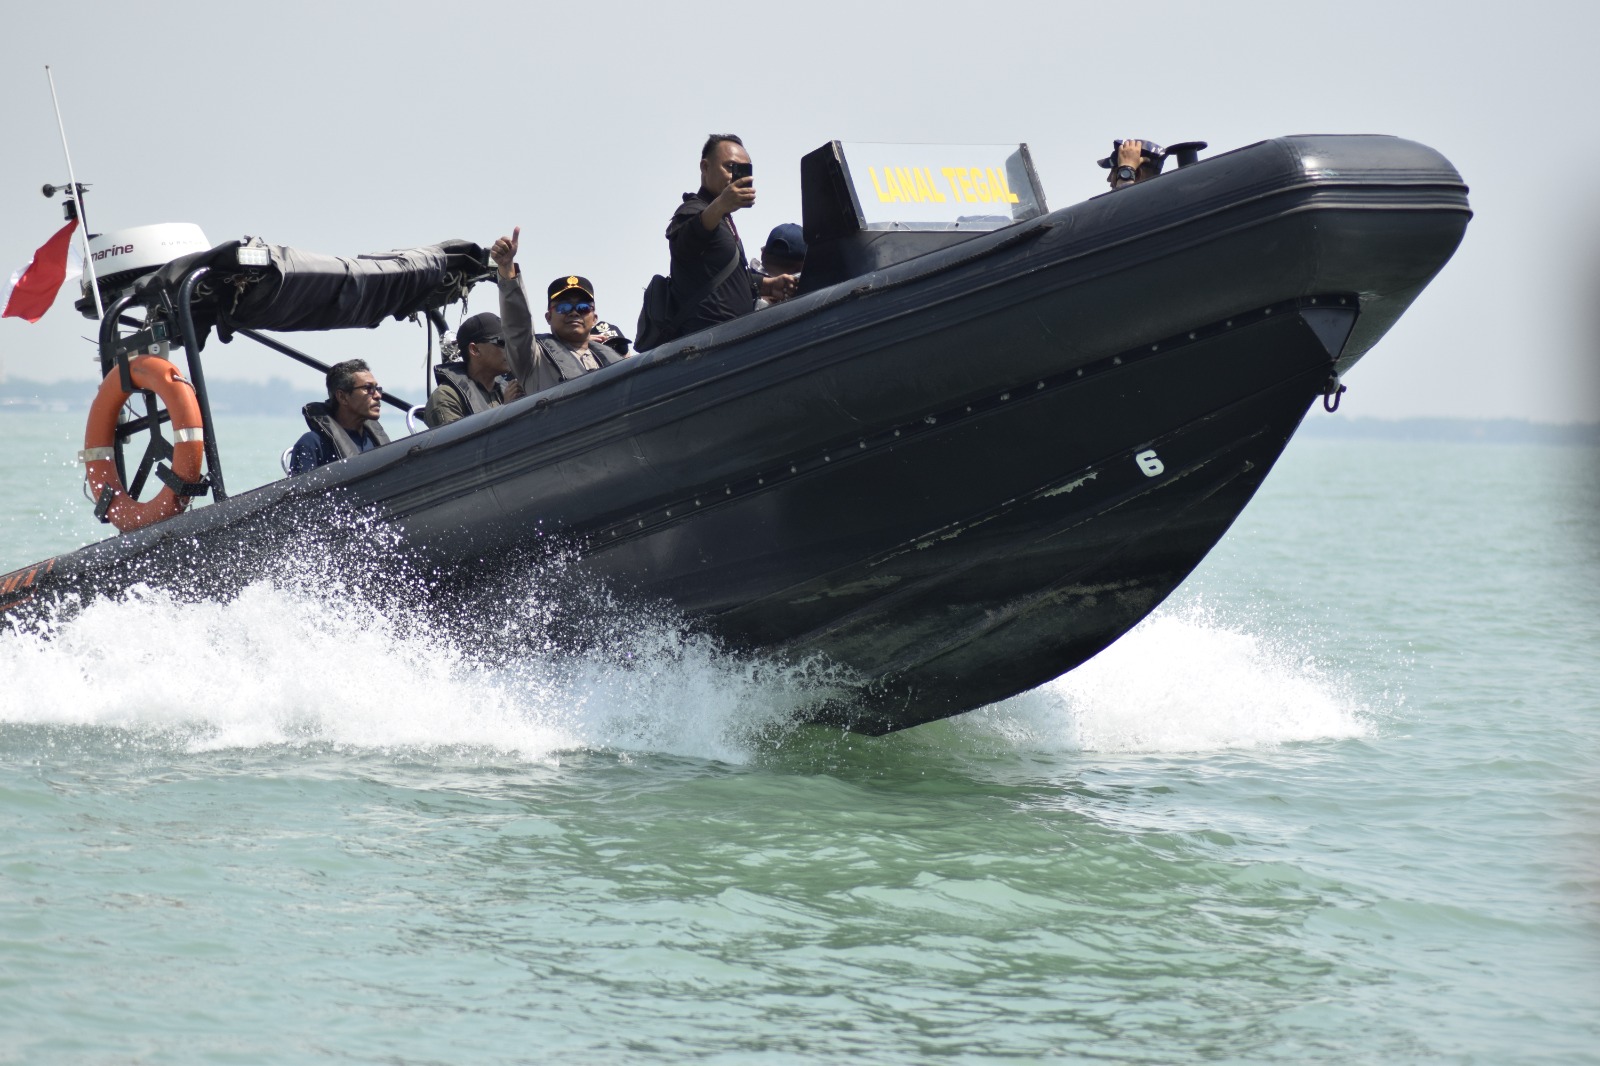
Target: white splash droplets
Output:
{"points": [[287, 666], [1182, 682]]}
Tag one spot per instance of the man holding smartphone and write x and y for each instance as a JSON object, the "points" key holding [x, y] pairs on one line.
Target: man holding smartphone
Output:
{"points": [[711, 280]]}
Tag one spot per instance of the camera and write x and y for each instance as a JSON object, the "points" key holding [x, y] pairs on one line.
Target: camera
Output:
{"points": [[741, 170]]}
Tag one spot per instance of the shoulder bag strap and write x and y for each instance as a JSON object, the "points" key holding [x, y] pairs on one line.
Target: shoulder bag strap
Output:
{"points": [[689, 305]]}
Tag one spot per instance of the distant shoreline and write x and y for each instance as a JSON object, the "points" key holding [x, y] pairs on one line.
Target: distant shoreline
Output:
{"points": [[278, 396], [1323, 426]]}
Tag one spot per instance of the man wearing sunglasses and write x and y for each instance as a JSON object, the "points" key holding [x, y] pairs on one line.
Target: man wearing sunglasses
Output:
{"points": [[479, 380], [568, 351], [710, 279], [346, 423]]}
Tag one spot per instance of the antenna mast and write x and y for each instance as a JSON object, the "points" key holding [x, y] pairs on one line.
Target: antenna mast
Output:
{"points": [[77, 196]]}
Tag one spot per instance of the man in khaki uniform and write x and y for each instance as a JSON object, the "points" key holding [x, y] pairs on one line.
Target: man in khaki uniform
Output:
{"points": [[473, 383], [569, 351]]}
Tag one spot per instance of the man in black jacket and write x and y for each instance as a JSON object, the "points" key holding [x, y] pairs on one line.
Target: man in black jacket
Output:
{"points": [[711, 280]]}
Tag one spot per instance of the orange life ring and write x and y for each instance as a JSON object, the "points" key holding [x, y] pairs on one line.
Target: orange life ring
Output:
{"points": [[99, 439]]}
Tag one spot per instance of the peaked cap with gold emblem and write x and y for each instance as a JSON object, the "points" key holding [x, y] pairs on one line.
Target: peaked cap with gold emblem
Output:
{"points": [[571, 283]]}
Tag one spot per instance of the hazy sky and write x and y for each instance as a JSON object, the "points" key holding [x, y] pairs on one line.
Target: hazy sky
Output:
{"points": [[349, 128]]}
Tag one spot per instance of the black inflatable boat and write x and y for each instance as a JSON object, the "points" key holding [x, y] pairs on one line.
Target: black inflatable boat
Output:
{"points": [[972, 453]]}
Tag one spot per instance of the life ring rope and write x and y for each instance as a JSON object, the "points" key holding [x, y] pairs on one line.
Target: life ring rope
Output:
{"points": [[114, 502]]}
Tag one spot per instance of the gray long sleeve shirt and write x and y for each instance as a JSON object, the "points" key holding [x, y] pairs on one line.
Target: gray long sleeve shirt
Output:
{"points": [[528, 359]]}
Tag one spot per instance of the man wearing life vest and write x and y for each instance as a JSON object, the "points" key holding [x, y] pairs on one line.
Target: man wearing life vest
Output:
{"points": [[346, 423], [473, 383], [569, 351]]}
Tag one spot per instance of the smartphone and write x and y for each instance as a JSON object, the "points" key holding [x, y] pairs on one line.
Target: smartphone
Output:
{"points": [[741, 170]]}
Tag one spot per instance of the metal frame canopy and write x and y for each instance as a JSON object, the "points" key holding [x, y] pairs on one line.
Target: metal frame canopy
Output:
{"points": [[247, 285]]}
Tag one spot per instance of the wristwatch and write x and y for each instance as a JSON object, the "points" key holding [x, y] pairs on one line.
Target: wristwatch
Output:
{"points": [[1126, 173]]}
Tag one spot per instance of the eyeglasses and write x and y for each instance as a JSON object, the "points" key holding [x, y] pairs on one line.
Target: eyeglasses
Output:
{"points": [[369, 389], [566, 307], [498, 342]]}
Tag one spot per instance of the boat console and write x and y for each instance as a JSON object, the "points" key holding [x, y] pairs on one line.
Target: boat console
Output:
{"points": [[867, 206]]}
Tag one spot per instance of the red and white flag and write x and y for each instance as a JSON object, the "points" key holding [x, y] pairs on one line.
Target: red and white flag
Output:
{"points": [[33, 289]]}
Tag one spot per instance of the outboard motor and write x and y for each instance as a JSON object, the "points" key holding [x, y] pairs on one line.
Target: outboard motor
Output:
{"points": [[124, 256]]}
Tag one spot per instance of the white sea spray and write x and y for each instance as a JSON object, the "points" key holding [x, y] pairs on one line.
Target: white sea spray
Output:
{"points": [[1184, 681], [315, 655]]}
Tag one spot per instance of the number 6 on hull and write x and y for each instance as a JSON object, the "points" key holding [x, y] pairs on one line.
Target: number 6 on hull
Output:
{"points": [[1149, 463]]}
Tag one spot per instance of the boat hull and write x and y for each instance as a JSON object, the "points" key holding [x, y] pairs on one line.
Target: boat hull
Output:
{"points": [[959, 476], [979, 550]]}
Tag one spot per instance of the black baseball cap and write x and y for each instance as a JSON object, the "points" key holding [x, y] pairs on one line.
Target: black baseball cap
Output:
{"points": [[569, 283], [610, 335], [479, 328]]}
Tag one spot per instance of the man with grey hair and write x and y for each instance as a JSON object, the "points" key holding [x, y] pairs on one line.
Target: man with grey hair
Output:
{"points": [[346, 423]]}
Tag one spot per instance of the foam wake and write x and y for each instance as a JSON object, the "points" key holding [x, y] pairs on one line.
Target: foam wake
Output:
{"points": [[1182, 681], [302, 663]]}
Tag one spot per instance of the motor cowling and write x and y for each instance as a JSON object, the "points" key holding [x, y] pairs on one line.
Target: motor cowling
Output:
{"points": [[122, 257]]}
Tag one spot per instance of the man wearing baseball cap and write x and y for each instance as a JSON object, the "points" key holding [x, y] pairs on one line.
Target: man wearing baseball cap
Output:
{"points": [[1131, 162], [568, 351], [784, 253], [478, 380]]}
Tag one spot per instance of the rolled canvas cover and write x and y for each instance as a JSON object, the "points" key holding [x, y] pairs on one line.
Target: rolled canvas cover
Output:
{"points": [[302, 290]]}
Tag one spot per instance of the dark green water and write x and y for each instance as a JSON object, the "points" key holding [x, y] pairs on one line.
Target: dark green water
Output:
{"points": [[1336, 802]]}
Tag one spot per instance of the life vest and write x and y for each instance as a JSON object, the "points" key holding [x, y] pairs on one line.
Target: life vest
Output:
{"points": [[319, 416], [566, 363], [454, 377]]}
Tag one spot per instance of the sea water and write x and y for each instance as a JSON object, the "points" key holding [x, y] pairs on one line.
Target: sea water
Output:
{"points": [[1335, 801]]}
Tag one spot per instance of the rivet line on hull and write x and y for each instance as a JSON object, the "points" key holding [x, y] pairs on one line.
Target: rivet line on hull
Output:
{"points": [[642, 523]]}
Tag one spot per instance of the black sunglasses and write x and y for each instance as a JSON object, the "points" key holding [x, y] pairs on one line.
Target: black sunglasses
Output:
{"points": [[498, 342], [566, 307]]}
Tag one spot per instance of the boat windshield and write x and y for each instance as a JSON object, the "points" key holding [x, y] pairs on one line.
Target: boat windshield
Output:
{"points": [[942, 186]]}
